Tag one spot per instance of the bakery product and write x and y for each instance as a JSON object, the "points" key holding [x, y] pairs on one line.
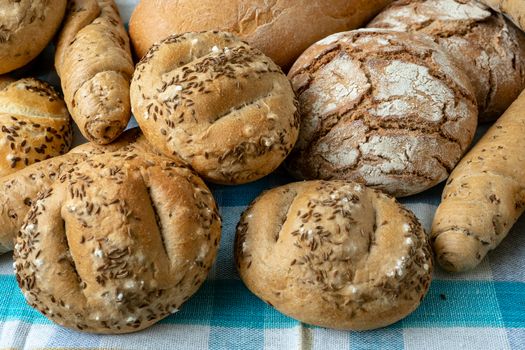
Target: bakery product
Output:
{"points": [[385, 108], [484, 195], [488, 48], [334, 254], [282, 29], [217, 104], [513, 9], [34, 124], [93, 60], [118, 243], [27, 26], [18, 190]]}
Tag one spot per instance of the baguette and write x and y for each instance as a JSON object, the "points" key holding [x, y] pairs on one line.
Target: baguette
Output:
{"points": [[93, 60], [513, 9], [484, 196]]}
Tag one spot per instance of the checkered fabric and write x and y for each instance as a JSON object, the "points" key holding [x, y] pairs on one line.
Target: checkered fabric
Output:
{"points": [[482, 309]]}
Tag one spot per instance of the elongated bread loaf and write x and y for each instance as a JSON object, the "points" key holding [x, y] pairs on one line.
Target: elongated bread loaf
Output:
{"points": [[94, 63], [485, 194], [18, 190], [514, 9]]}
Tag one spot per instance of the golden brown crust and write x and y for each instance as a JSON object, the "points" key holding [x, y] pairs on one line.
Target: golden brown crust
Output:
{"points": [[94, 63], [18, 190], [27, 26], [334, 254], [34, 124], [216, 103], [513, 9], [266, 25], [384, 108], [489, 49], [484, 195], [118, 243]]}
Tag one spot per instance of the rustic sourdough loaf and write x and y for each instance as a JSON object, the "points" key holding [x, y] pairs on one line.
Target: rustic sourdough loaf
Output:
{"points": [[26, 27], [334, 254], [385, 108], [282, 29], [488, 48], [118, 243], [216, 103]]}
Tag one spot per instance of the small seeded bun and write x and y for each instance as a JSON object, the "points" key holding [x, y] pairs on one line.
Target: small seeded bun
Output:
{"points": [[334, 254], [26, 27], [384, 108], [34, 124], [217, 104], [118, 243], [486, 46]]}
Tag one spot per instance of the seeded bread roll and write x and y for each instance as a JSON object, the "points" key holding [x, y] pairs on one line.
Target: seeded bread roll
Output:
{"points": [[490, 49], [384, 108], [93, 60], [18, 190], [118, 243], [334, 254], [34, 124], [217, 104], [26, 27], [282, 29]]}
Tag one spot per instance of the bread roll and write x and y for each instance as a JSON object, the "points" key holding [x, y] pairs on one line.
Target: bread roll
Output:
{"points": [[26, 27], [216, 103], [334, 254], [18, 190], [282, 29], [118, 244], [94, 63], [513, 9], [34, 124], [385, 108], [488, 48]]}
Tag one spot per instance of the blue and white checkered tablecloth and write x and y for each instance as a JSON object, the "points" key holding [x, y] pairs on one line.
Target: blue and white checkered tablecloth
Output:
{"points": [[482, 309]]}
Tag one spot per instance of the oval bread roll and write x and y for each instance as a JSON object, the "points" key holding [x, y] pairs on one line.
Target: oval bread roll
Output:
{"points": [[34, 124], [334, 254], [282, 29], [217, 104], [118, 243], [26, 27]]}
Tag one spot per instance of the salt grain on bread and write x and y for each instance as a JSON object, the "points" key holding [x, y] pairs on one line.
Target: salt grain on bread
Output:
{"points": [[334, 254], [118, 243], [385, 108], [27, 26], [488, 48], [34, 124], [484, 195], [93, 60], [217, 104], [282, 29], [19, 190]]}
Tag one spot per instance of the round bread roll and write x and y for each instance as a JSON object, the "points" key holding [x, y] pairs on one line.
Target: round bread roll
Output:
{"points": [[281, 29], [34, 123], [117, 244], [334, 254], [26, 27], [217, 104], [489, 48], [384, 108]]}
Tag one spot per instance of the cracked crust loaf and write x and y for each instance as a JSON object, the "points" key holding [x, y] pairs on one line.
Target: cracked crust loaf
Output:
{"points": [[18, 190], [489, 49], [384, 108], [26, 27], [118, 243], [334, 254], [217, 104], [282, 29], [93, 60], [34, 124]]}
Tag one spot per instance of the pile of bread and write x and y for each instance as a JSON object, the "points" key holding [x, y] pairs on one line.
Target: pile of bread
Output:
{"points": [[118, 233]]}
